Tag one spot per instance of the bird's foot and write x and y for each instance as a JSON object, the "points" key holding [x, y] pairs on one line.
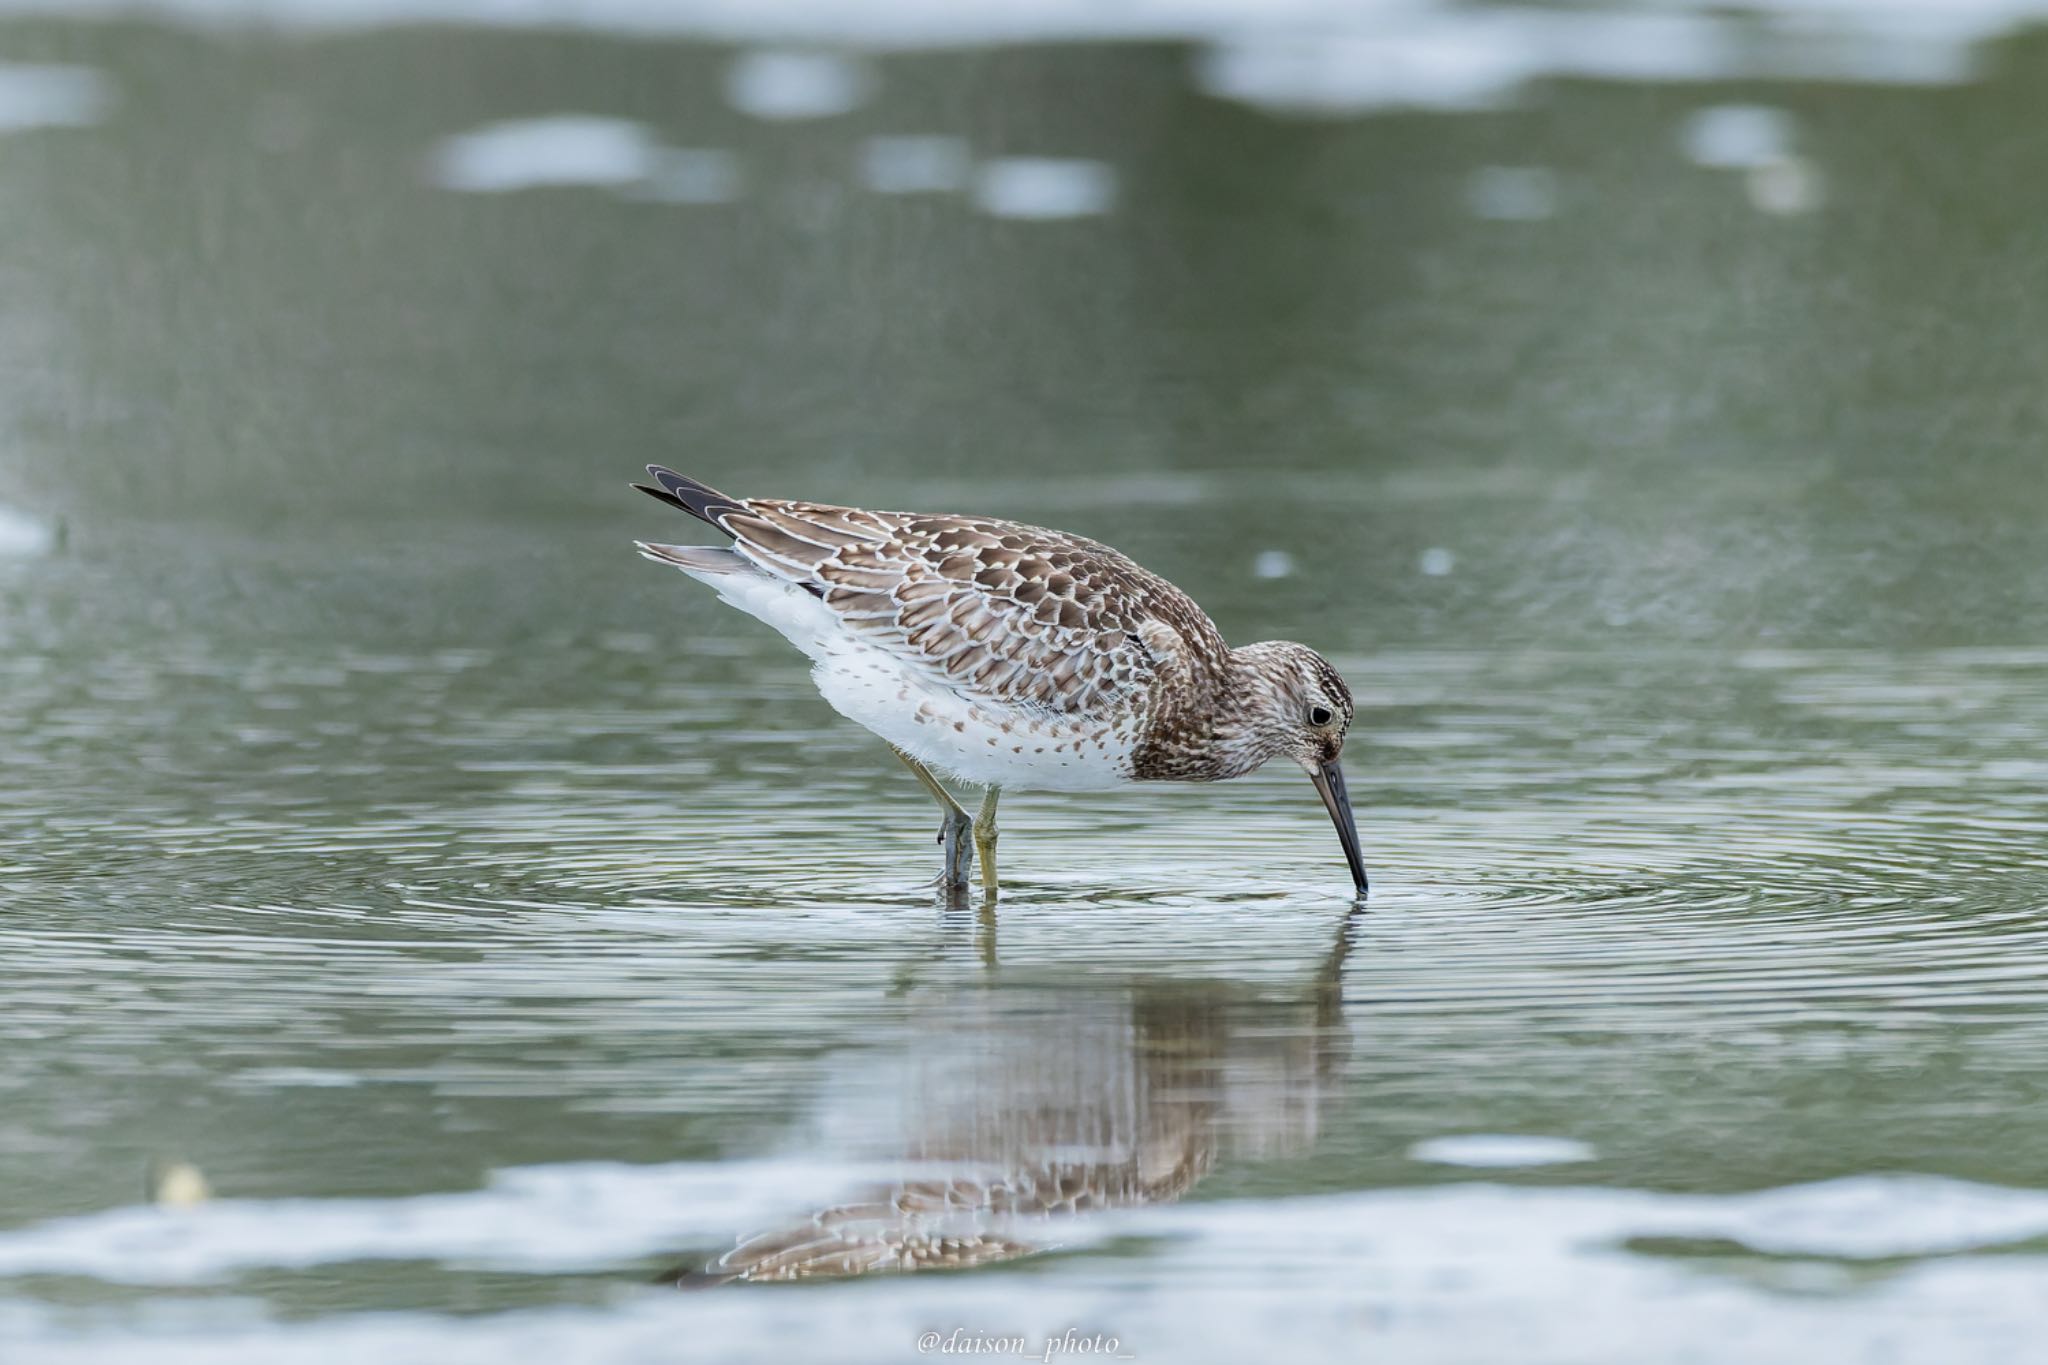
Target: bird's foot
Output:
{"points": [[956, 840]]}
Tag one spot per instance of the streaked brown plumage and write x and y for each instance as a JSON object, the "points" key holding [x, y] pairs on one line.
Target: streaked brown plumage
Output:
{"points": [[1013, 655]]}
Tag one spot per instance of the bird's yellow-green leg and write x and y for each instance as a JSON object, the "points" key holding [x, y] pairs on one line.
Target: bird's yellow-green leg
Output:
{"points": [[985, 839], [952, 833]]}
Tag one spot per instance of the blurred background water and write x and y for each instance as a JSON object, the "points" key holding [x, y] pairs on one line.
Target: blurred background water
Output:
{"points": [[1642, 403]]}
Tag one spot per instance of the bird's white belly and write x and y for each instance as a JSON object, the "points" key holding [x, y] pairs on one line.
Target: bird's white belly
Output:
{"points": [[979, 742], [975, 741]]}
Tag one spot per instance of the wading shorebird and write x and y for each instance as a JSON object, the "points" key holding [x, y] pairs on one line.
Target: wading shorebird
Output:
{"points": [[1013, 656]]}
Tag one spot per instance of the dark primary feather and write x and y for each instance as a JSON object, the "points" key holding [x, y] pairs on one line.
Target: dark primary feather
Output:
{"points": [[667, 497], [700, 501]]}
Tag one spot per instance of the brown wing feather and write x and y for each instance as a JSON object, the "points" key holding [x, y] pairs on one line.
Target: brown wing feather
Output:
{"points": [[1018, 614]]}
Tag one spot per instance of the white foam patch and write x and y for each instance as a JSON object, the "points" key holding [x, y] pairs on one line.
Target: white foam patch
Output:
{"points": [[571, 150], [1868, 1218], [1426, 56], [1500, 1150], [1044, 188], [292, 1078], [564, 149], [540, 1219], [1323, 58], [34, 96], [1462, 1273], [797, 85], [1737, 136], [22, 536], [1790, 185], [1430, 52], [550, 1219], [1433, 66], [1272, 564]]}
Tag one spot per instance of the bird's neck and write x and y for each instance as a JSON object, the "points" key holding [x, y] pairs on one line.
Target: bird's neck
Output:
{"points": [[1208, 727]]}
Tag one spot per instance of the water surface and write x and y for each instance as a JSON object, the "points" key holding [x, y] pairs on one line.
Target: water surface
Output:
{"points": [[503, 926]]}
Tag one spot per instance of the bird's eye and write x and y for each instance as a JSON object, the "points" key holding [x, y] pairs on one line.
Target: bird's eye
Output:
{"points": [[1320, 715]]}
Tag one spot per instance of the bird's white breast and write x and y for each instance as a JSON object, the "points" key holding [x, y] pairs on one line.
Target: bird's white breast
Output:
{"points": [[976, 741]]}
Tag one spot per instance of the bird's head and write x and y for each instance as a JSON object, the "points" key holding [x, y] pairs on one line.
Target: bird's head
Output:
{"points": [[1296, 705], [1299, 705]]}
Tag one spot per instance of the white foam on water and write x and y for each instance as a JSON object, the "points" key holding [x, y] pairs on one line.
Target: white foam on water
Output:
{"points": [[1737, 136], [292, 1078], [1044, 188], [945, 21], [562, 149], [1462, 1273], [1785, 187], [786, 86], [22, 536], [37, 96], [572, 150], [1500, 1150], [1758, 141], [585, 1215], [542, 1219], [1439, 57], [1438, 64], [1319, 58], [1272, 564]]}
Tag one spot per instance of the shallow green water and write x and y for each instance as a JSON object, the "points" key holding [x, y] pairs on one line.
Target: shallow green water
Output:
{"points": [[500, 923]]}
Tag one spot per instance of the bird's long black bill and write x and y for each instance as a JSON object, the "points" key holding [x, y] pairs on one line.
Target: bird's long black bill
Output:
{"points": [[1329, 780]]}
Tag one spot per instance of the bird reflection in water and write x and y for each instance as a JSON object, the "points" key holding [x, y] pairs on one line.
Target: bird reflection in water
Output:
{"points": [[1026, 1107]]}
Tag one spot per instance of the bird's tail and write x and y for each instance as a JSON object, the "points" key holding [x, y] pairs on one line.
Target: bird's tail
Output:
{"points": [[704, 503]]}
